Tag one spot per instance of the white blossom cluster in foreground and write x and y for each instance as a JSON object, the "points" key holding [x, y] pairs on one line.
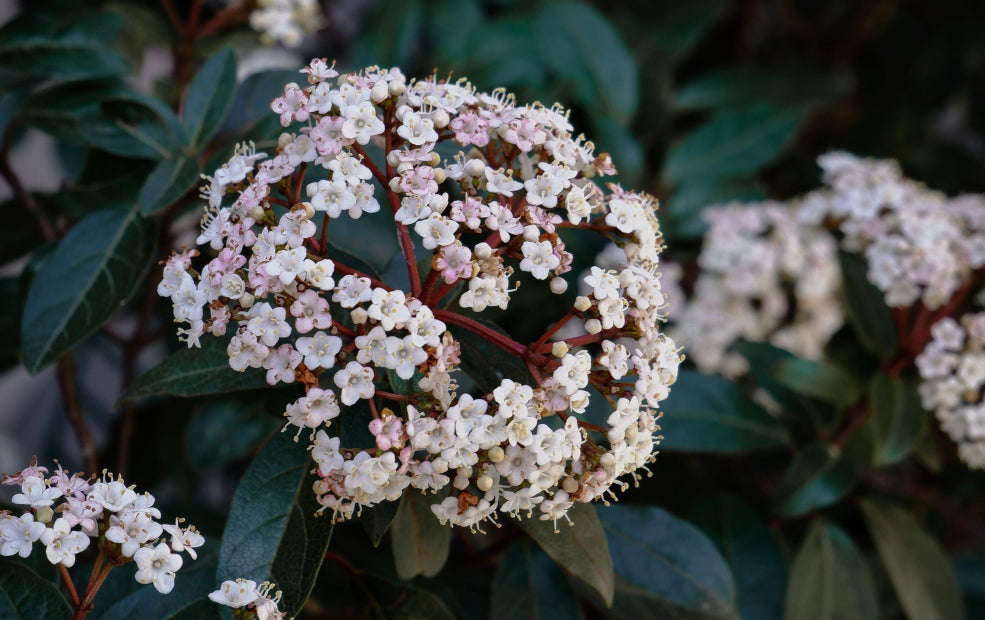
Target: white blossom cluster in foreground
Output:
{"points": [[69, 513], [246, 594], [490, 204], [286, 21]]}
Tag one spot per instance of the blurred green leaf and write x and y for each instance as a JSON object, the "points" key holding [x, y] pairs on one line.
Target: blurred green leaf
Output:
{"points": [[528, 584], [132, 125], [507, 55], [96, 267], [195, 371], [624, 147], [376, 520], [787, 84], [580, 548], [818, 379], [917, 566], [829, 579], [970, 571], [168, 182], [122, 598], [735, 141], [253, 97], [64, 109], [210, 94], [25, 595], [707, 413], [752, 553], [866, 309], [898, 420], [818, 477], [82, 49], [274, 532], [223, 430], [420, 542], [669, 558], [386, 599], [392, 35], [690, 199]]}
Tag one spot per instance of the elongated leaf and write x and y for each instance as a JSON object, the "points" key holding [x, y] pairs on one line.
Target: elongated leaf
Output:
{"points": [[829, 580], [170, 180], [94, 270], [818, 379], [528, 584], [898, 420], [273, 532], [387, 599], [866, 309], [918, 568], [818, 477], [392, 34], [581, 549], [196, 371], [132, 125], [25, 595], [378, 519], [691, 197], [64, 110], [121, 597], [706, 413], [970, 571], [737, 141], [82, 50], [209, 440], [752, 552], [420, 542], [669, 558], [209, 96], [742, 86]]}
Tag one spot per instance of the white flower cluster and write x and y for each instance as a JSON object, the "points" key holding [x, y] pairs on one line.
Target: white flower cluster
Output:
{"points": [[952, 367], [766, 275], [286, 21], [919, 244], [495, 207], [66, 512], [246, 594]]}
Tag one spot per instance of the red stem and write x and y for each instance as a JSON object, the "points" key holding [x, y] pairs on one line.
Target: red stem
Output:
{"points": [[68, 584], [504, 342]]}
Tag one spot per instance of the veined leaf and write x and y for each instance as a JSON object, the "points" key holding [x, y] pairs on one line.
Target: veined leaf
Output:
{"points": [[210, 94], [25, 595], [742, 86], [84, 49], [898, 420], [866, 309], [170, 180], [818, 477], [818, 379], [528, 584], [420, 542]]}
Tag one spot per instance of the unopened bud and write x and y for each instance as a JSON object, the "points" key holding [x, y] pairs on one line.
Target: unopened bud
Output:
{"points": [[392, 158], [396, 88], [559, 285], [531, 233], [465, 472], [309, 210], [359, 316], [570, 485], [43, 514], [496, 454], [284, 139], [257, 213], [593, 326], [380, 92], [435, 159], [441, 119], [461, 483], [559, 348], [582, 303], [475, 168], [484, 483], [439, 175], [395, 185], [404, 166], [483, 251], [246, 301]]}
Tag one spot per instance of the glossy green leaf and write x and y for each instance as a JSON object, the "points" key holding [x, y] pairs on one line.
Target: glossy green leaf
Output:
{"points": [[376, 520], [692, 196], [528, 584], [253, 97], [668, 558], [274, 532], [789, 84], [105, 181], [122, 598], [209, 96], [898, 421], [96, 267], [829, 579], [818, 477], [196, 371], [420, 542], [223, 430], [25, 595], [392, 35], [168, 182], [866, 309], [707, 413], [917, 565], [83, 49], [752, 552], [132, 125], [818, 379], [64, 110], [735, 141]]}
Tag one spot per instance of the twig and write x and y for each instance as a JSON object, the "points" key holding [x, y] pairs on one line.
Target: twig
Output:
{"points": [[68, 584], [66, 385], [21, 193]]}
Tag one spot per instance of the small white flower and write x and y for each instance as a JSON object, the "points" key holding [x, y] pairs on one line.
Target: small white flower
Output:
{"points": [[17, 536], [62, 544], [36, 494], [157, 565], [235, 594]]}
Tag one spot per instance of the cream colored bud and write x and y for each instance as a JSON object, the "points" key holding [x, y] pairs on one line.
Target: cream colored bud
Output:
{"points": [[558, 285], [359, 316], [441, 119], [257, 213], [435, 159], [392, 158], [43, 514], [380, 92], [570, 485], [464, 472], [496, 454], [309, 210], [531, 233], [475, 168], [626, 278], [396, 88], [438, 204], [593, 326], [284, 139], [484, 483], [582, 303], [246, 301], [607, 460], [395, 185], [482, 251], [632, 431], [439, 175], [588, 171], [404, 166], [401, 111], [559, 348], [460, 482]]}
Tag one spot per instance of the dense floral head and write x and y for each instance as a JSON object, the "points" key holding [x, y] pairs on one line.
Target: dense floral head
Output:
{"points": [[490, 190]]}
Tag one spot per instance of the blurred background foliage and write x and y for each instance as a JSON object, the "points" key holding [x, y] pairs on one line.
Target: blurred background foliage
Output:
{"points": [[747, 513]]}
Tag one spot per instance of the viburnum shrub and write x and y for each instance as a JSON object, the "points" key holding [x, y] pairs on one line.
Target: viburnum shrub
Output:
{"points": [[482, 193]]}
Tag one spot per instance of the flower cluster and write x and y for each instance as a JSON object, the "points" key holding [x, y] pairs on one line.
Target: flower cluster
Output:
{"points": [[952, 367], [490, 215], [286, 21], [766, 275], [246, 594], [66, 513]]}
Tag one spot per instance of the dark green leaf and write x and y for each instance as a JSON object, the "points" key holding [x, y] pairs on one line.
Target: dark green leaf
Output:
{"points": [[273, 532], [64, 110], [168, 182], [393, 34], [202, 609], [377, 520], [386, 599], [580, 548], [96, 267], [866, 309], [829, 580], [734, 142], [970, 570], [209, 96], [420, 542], [818, 477], [122, 598], [691, 198], [752, 552], [196, 371], [528, 584], [19, 236], [25, 595], [669, 558], [707, 413], [83, 50], [898, 421], [789, 84], [917, 566], [818, 379], [223, 430], [253, 97], [486, 363], [132, 125], [105, 181]]}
